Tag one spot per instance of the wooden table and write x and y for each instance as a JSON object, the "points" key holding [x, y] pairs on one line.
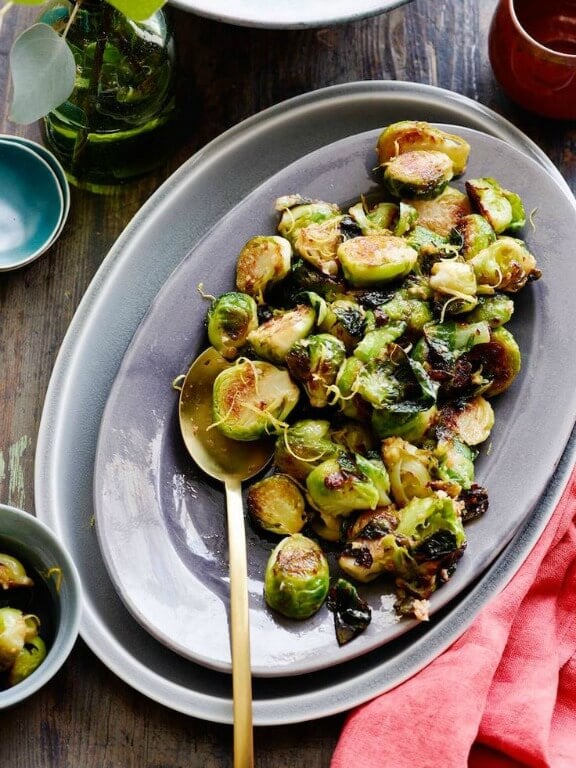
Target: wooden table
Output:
{"points": [[86, 716]]}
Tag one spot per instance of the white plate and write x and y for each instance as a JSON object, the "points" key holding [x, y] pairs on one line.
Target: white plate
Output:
{"points": [[176, 217], [287, 14]]}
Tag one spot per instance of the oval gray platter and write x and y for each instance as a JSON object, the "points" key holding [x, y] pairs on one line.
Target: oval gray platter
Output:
{"points": [[289, 14], [160, 520], [170, 223]]}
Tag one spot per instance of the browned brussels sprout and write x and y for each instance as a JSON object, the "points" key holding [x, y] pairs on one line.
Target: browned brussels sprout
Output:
{"points": [[375, 260], [506, 265], [408, 135], [297, 577], [277, 504], [315, 362], [231, 317], [503, 209], [264, 260], [273, 339], [476, 233], [420, 174], [251, 399], [303, 446]]}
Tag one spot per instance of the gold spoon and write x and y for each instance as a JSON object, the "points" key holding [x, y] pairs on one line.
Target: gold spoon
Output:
{"points": [[231, 462]]}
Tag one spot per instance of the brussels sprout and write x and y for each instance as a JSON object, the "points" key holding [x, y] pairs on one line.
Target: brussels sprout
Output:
{"points": [[415, 313], [429, 244], [231, 317], [506, 265], [327, 526], [263, 260], [374, 260], [499, 361], [350, 403], [408, 135], [355, 436], [338, 487], [315, 363], [376, 383], [251, 399], [274, 338], [455, 462], [450, 340], [304, 278], [313, 229], [375, 470], [470, 420], [375, 343], [28, 660], [410, 425], [13, 573], [372, 548], [16, 629], [418, 174], [352, 615], [303, 446], [297, 577], [443, 213], [495, 310], [380, 219], [346, 320], [476, 233], [456, 279], [277, 504], [410, 469], [503, 209]]}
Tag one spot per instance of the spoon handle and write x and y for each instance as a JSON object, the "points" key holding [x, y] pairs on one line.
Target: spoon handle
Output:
{"points": [[240, 628]]}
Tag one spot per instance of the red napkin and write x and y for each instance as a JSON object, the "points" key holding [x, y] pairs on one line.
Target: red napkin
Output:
{"points": [[502, 695]]}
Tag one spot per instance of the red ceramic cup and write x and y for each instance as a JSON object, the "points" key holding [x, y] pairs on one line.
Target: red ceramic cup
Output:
{"points": [[532, 50]]}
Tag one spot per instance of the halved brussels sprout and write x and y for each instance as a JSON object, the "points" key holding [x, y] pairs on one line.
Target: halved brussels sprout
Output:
{"points": [[457, 280], [354, 436], [16, 629], [375, 469], [297, 577], [376, 220], [277, 504], [28, 660], [374, 260], [275, 337], [408, 135], [419, 174], [498, 361], [455, 462], [231, 317], [476, 233], [372, 547], [350, 403], [411, 469], [13, 573], [345, 319], [443, 213], [313, 228], [412, 425], [495, 310], [315, 362], [338, 487], [470, 420], [303, 446], [448, 341], [264, 260], [506, 265], [415, 313], [375, 343], [251, 399], [503, 209]]}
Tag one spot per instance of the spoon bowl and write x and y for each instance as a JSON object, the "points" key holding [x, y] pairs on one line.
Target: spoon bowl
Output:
{"points": [[231, 462]]}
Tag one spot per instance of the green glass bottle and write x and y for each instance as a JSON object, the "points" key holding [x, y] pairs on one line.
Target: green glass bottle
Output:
{"points": [[119, 122]]}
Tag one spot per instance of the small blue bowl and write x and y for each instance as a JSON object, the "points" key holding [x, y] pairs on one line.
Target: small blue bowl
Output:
{"points": [[56, 583], [31, 205], [53, 162]]}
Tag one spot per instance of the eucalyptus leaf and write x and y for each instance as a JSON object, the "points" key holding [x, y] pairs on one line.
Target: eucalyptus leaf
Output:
{"points": [[138, 10], [43, 73]]}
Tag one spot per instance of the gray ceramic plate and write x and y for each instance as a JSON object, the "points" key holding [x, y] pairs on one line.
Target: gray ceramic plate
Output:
{"points": [[288, 14], [161, 522], [176, 217]]}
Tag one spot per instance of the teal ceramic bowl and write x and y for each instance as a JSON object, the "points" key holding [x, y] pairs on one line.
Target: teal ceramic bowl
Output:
{"points": [[54, 163], [55, 596], [31, 205]]}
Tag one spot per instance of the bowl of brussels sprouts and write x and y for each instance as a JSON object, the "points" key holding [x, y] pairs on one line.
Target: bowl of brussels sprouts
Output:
{"points": [[40, 605]]}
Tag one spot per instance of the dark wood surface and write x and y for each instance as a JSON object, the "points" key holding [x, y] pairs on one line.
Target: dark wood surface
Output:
{"points": [[86, 716]]}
